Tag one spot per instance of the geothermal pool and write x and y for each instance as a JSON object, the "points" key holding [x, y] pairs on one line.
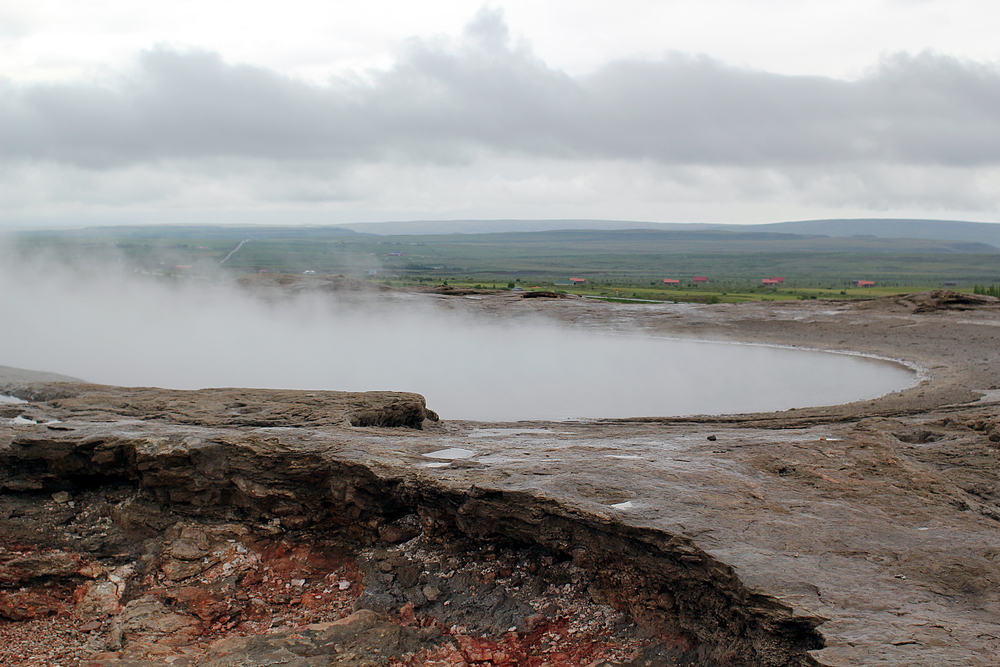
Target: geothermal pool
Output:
{"points": [[188, 337], [512, 374], [626, 376]]}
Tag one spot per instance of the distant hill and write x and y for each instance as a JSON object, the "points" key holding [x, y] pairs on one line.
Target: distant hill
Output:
{"points": [[859, 235], [889, 228], [956, 231], [420, 227], [197, 232], [919, 252], [953, 231], [740, 239]]}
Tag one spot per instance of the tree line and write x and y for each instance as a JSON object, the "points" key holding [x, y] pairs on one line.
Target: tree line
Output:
{"points": [[988, 290]]}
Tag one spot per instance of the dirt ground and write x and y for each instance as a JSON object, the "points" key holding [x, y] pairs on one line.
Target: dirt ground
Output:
{"points": [[878, 518]]}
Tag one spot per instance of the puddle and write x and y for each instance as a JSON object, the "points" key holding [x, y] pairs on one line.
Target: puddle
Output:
{"points": [[438, 464], [10, 399], [984, 323], [489, 432], [988, 396], [623, 506], [452, 453]]}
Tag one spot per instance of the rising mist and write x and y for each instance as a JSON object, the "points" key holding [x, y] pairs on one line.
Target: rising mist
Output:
{"points": [[108, 326]]}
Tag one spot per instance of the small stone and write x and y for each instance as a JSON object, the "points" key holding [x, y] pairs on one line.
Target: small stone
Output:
{"points": [[712, 438], [116, 639], [61, 497]]}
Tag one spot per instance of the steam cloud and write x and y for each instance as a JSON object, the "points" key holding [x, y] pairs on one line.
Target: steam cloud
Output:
{"points": [[138, 332]]}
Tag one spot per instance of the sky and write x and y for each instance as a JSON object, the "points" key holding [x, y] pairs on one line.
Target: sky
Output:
{"points": [[306, 112]]}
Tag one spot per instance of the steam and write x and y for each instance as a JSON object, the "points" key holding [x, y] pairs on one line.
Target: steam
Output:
{"points": [[110, 327]]}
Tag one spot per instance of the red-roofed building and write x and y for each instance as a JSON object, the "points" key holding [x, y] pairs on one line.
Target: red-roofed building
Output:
{"points": [[577, 281], [863, 283], [670, 281], [777, 279], [700, 279], [770, 281]]}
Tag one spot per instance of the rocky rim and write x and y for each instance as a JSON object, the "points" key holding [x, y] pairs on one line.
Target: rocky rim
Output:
{"points": [[252, 527]]}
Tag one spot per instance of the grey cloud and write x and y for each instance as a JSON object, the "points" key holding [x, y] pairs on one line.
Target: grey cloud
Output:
{"points": [[447, 103]]}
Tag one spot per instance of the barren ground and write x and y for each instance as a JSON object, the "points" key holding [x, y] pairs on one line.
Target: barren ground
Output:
{"points": [[255, 527]]}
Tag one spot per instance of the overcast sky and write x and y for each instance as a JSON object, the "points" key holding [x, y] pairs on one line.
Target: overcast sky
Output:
{"points": [[325, 112]]}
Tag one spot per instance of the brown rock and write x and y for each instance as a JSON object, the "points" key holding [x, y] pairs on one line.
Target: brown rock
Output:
{"points": [[97, 600], [149, 616], [17, 567]]}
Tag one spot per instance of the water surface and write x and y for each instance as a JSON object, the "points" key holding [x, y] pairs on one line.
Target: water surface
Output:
{"points": [[188, 337]]}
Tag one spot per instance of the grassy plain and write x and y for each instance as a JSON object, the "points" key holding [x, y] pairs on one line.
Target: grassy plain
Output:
{"points": [[614, 263]]}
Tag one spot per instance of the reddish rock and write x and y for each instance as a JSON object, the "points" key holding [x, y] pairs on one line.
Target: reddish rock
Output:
{"points": [[205, 604], [406, 615], [478, 650], [37, 602]]}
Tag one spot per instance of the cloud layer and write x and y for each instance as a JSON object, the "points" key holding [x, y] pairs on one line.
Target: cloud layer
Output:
{"points": [[442, 104], [479, 100]]}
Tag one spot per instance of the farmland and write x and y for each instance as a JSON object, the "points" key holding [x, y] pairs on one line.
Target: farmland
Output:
{"points": [[613, 263]]}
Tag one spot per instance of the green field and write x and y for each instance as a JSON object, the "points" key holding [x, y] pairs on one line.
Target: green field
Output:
{"points": [[619, 263]]}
